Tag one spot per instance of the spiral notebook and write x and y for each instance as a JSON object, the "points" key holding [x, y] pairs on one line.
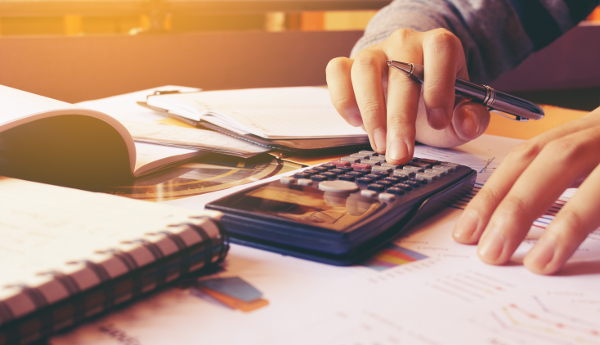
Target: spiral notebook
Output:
{"points": [[67, 254]]}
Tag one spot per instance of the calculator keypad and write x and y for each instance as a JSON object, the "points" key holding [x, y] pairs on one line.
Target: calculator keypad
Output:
{"points": [[368, 173]]}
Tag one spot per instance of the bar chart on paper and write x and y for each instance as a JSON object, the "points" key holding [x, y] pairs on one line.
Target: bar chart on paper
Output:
{"points": [[392, 256]]}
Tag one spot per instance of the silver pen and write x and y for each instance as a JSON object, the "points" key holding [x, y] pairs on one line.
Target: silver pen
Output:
{"points": [[495, 100]]}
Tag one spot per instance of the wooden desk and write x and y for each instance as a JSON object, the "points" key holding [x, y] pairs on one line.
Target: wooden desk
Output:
{"points": [[555, 116]]}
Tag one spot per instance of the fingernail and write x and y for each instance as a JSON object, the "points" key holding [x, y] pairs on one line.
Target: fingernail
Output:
{"points": [[355, 120], [466, 226], [468, 128], [397, 150], [379, 138], [491, 248], [541, 254], [438, 118]]}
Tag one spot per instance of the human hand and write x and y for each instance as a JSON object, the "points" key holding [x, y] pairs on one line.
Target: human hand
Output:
{"points": [[527, 182], [393, 121]]}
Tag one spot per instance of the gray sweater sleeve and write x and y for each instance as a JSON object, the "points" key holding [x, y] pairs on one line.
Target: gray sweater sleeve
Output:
{"points": [[496, 34]]}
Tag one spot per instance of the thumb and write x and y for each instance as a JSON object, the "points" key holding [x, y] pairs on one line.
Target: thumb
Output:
{"points": [[470, 120]]}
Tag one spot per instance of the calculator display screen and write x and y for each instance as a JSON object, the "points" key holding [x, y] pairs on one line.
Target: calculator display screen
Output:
{"points": [[335, 211]]}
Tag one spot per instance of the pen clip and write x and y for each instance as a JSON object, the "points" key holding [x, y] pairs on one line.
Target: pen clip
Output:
{"points": [[515, 118]]}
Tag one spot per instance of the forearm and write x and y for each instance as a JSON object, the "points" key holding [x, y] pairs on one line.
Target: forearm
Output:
{"points": [[496, 36]]}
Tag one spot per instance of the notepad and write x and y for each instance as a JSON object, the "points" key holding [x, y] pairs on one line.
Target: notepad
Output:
{"points": [[293, 118], [68, 254]]}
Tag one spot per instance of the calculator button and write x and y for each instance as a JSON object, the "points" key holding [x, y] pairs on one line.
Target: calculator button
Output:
{"points": [[396, 190], [320, 169], [430, 161], [387, 197], [381, 174], [370, 153], [412, 183], [373, 177], [338, 186], [364, 180], [393, 179], [340, 163], [403, 173], [385, 183], [356, 174], [304, 182], [350, 159], [449, 164], [330, 175], [405, 186], [438, 173], [393, 166], [445, 168], [413, 169], [361, 167], [368, 193], [319, 178], [382, 168], [380, 159], [287, 180], [302, 175], [419, 180], [421, 165], [376, 187], [338, 171], [429, 177], [329, 166], [346, 178], [370, 162], [312, 172], [361, 155]]}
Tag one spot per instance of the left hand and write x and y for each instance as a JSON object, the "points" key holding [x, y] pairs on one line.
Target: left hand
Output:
{"points": [[526, 184]]}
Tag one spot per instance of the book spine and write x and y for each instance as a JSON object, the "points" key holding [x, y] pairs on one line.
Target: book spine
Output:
{"points": [[111, 278]]}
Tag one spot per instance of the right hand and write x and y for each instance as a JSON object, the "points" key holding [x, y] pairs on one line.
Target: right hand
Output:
{"points": [[393, 121]]}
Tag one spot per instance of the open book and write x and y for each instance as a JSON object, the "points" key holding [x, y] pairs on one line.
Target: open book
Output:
{"points": [[51, 141], [289, 118], [68, 254]]}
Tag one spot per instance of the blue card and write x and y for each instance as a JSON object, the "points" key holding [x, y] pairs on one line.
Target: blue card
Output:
{"points": [[234, 287]]}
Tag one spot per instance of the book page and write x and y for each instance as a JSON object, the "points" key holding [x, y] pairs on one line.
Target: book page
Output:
{"points": [[272, 113], [193, 138], [19, 107], [42, 227]]}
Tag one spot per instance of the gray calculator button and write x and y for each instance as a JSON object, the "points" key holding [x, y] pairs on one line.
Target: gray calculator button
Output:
{"points": [[368, 193], [378, 158], [370, 162], [305, 182], [287, 180], [429, 177], [421, 164], [438, 173], [338, 186], [444, 168], [381, 168], [393, 166], [414, 169], [404, 173], [449, 164], [350, 159], [370, 153], [361, 155], [387, 197]]}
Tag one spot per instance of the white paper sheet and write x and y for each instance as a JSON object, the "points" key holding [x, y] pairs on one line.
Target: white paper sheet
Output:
{"points": [[273, 113]]}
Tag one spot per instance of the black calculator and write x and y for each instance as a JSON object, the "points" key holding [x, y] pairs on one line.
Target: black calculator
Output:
{"points": [[344, 211]]}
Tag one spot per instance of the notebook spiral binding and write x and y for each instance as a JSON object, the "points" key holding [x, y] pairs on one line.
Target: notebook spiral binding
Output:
{"points": [[88, 287]]}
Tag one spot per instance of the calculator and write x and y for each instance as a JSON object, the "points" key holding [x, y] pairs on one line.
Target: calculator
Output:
{"points": [[343, 211]]}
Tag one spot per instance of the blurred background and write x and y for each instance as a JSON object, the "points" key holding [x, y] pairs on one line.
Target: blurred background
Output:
{"points": [[76, 50]]}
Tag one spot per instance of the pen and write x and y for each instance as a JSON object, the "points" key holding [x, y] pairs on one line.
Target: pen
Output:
{"points": [[495, 100]]}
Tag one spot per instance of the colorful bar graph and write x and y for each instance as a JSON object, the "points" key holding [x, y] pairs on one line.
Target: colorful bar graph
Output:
{"points": [[392, 256]]}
